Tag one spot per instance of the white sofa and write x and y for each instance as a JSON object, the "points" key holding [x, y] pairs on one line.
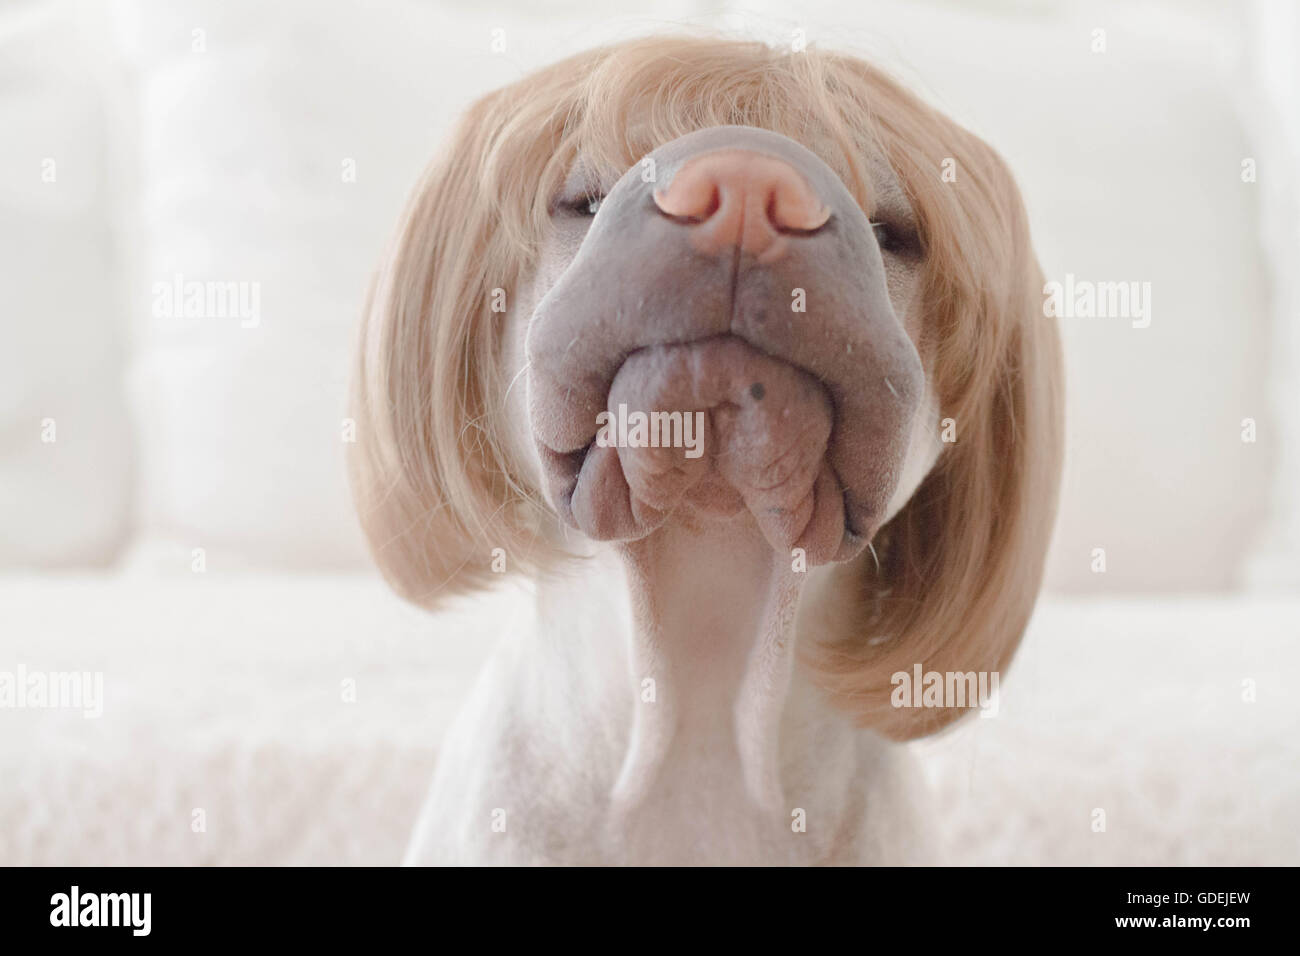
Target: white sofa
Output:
{"points": [[274, 144]]}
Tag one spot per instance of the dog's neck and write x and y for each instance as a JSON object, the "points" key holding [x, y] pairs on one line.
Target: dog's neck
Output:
{"points": [[686, 673], [713, 628]]}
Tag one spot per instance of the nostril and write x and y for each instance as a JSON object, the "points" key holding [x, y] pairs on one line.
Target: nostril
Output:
{"points": [[692, 199], [711, 206], [793, 207]]}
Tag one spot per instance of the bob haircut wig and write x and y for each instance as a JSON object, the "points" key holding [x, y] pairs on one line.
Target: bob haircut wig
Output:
{"points": [[956, 571]]}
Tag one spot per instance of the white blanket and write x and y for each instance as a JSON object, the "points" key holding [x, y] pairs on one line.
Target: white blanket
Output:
{"points": [[229, 695]]}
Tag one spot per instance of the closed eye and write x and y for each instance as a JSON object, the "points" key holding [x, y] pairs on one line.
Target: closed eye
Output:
{"points": [[584, 205], [893, 240]]}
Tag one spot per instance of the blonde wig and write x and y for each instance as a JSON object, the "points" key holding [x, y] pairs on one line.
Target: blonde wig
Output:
{"points": [[955, 573]]}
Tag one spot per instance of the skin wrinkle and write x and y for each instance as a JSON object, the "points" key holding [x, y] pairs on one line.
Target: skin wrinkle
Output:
{"points": [[568, 299]]}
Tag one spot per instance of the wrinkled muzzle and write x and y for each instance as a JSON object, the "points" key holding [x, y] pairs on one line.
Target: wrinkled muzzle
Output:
{"points": [[722, 341]]}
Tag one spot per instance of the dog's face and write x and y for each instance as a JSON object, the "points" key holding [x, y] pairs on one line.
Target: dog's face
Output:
{"points": [[835, 278], [727, 278]]}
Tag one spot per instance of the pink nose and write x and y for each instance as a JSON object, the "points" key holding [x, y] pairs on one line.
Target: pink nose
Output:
{"points": [[734, 197]]}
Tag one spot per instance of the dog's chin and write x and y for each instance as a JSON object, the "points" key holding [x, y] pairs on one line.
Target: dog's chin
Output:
{"points": [[704, 432]]}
